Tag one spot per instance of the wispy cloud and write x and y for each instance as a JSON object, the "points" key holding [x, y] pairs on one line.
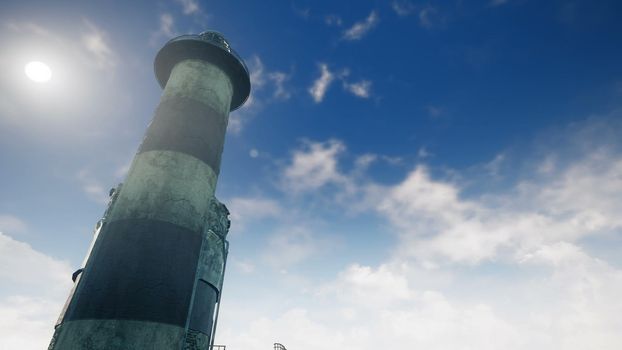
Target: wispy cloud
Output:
{"points": [[245, 209], [320, 86], [428, 17], [267, 87], [302, 12], [360, 29], [290, 246], [94, 50], [189, 7], [322, 83], [279, 79], [360, 89], [93, 189], [166, 29], [333, 20], [12, 224], [403, 8], [96, 42]]}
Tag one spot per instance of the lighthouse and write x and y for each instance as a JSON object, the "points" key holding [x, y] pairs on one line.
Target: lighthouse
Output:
{"points": [[153, 276]]}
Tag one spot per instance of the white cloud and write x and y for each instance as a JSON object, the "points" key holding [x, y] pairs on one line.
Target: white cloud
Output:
{"points": [[498, 270], [260, 77], [571, 304], [245, 209], [27, 323], [96, 43], [423, 153], [256, 72], [493, 167], [12, 224], [244, 266], [34, 288], [367, 287], [279, 78], [289, 246], [166, 29], [23, 267], [321, 84], [267, 87], [314, 166], [363, 162], [360, 29], [437, 223], [360, 89], [92, 187], [189, 7]]}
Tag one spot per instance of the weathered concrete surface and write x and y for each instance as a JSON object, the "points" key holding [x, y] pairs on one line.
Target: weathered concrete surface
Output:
{"points": [[117, 335], [167, 186], [201, 82]]}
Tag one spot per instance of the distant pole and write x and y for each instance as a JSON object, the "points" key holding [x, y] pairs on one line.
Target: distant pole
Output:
{"points": [[154, 273]]}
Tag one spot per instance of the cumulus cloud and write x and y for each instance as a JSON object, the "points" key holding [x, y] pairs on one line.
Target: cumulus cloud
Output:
{"points": [[572, 304], [435, 220], [503, 269], [314, 166], [360, 29], [321, 84], [35, 286], [22, 266]]}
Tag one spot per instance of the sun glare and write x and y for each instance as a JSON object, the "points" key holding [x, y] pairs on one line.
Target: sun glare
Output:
{"points": [[38, 72]]}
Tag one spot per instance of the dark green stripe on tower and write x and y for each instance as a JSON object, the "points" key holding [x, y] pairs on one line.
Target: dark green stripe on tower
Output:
{"points": [[189, 126], [154, 274], [158, 289]]}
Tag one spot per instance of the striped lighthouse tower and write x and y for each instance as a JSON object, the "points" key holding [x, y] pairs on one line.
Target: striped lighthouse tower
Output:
{"points": [[153, 276]]}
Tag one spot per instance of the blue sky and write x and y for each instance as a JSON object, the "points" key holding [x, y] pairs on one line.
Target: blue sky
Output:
{"points": [[406, 174]]}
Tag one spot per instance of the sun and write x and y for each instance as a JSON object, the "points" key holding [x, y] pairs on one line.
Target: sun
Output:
{"points": [[38, 71]]}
